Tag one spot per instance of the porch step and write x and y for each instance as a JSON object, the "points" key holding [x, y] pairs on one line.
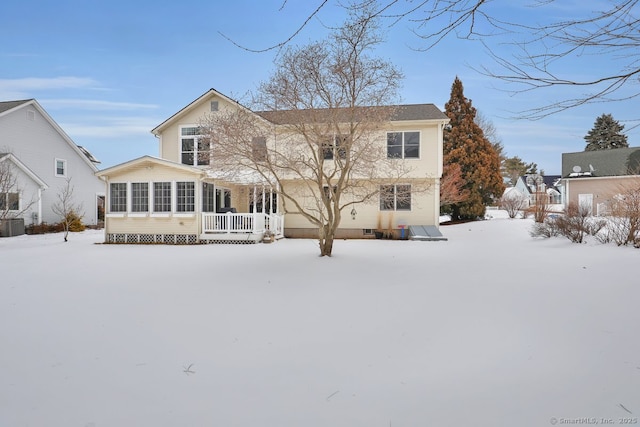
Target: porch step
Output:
{"points": [[425, 233]]}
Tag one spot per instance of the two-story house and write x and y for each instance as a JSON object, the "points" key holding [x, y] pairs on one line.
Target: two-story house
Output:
{"points": [[39, 157], [179, 197]]}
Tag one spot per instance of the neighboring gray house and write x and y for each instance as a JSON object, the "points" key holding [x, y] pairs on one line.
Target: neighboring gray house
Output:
{"points": [[42, 156], [595, 178]]}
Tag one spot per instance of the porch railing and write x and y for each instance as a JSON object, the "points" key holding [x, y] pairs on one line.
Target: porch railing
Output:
{"points": [[241, 223]]}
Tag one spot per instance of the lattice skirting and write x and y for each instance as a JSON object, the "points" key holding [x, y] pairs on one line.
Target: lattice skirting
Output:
{"points": [[228, 242], [149, 239]]}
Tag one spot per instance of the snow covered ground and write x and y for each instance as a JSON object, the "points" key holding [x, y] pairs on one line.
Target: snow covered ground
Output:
{"points": [[491, 328]]}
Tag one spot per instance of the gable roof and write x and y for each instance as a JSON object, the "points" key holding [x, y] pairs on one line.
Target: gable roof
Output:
{"points": [[152, 160], [193, 104], [614, 162], [5, 157], [8, 106]]}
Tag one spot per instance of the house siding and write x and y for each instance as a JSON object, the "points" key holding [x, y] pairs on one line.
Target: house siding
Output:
{"points": [[147, 222], [602, 188], [424, 211], [170, 148], [425, 206], [37, 144]]}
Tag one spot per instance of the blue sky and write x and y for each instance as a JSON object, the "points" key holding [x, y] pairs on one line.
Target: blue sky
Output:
{"points": [[109, 72]]}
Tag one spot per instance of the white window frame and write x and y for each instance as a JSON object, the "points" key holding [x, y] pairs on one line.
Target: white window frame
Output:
{"points": [[177, 202], [196, 137], [162, 213], [7, 204], [110, 211], [395, 198], [402, 146], [132, 201], [64, 168]]}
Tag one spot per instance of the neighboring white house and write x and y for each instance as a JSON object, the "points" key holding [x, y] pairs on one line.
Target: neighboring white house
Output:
{"points": [[42, 157], [532, 185], [179, 198]]}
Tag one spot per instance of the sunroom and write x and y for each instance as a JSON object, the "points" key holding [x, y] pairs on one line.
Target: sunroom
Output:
{"points": [[151, 200]]}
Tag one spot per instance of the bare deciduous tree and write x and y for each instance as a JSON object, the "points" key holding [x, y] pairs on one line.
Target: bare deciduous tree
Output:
{"points": [[327, 104], [624, 219], [513, 202], [66, 208], [537, 50], [10, 190]]}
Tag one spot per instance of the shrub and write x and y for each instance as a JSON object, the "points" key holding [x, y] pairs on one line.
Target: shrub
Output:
{"points": [[513, 203], [574, 224], [545, 229], [624, 223], [75, 222]]}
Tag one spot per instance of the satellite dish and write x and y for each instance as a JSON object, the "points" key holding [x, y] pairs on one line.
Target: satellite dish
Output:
{"points": [[577, 169]]}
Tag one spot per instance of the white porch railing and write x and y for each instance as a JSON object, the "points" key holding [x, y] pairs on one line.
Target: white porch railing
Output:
{"points": [[241, 223]]}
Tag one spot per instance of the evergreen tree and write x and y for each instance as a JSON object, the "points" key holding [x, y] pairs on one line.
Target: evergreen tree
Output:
{"points": [[514, 167], [606, 134], [466, 145]]}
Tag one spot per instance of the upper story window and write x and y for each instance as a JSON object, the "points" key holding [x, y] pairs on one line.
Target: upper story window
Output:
{"points": [[194, 147], [403, 145], [334, 147], [259, 148], [61, 167]]}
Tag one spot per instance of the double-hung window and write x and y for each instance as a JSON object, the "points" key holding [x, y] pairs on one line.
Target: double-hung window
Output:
{"points": [[61, 167], [118, 197], [185, 196], [195, 148], [140, 197], [162, 197], [403, 145], [395, 197]]}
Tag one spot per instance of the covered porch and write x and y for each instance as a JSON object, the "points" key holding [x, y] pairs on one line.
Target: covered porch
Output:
{"points": [[241, 227], [224, 224]]}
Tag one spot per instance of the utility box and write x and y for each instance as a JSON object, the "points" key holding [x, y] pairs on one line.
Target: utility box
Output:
{"points": [[11, 227]]}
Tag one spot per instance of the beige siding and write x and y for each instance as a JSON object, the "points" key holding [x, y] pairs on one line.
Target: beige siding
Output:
{"points": [[170, 148], [430, 162], [424, 207], [369, 215], [603, 189], [150, 223]]}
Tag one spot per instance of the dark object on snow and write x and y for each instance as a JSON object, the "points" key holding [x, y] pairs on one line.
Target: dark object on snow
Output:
{"points": [[11, 227]]}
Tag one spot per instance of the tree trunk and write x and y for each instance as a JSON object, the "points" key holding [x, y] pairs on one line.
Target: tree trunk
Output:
{"points": [[325, 240]]}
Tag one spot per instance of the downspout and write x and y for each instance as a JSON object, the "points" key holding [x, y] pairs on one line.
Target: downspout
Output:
{"points": [[39, 206]]}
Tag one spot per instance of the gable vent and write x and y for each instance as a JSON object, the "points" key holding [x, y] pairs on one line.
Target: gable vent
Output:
{"points": [[214, 105], [31, 115]]}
